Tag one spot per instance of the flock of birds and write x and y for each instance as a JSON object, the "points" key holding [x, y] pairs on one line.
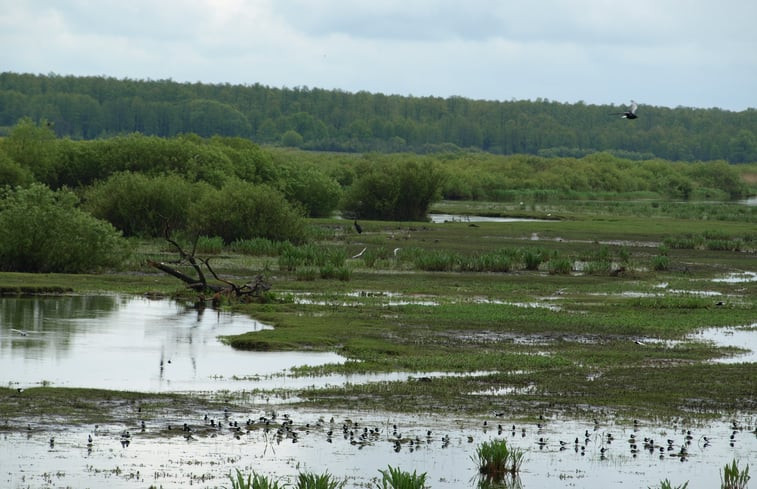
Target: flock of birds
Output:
{"points": [[276, 429]]}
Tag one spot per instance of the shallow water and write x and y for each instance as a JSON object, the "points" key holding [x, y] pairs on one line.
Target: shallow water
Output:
{"points": [[132, 343], [119, 342], [169, 460], [740, 337], [442, 218]]}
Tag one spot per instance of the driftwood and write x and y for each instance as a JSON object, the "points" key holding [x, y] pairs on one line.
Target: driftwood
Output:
{"points": [[250, 290]]}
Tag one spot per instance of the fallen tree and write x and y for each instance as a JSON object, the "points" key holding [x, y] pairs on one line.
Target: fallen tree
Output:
{"points": [[252, 290]]}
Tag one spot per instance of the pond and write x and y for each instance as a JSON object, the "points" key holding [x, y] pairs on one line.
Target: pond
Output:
{"points": [[132, 343]]}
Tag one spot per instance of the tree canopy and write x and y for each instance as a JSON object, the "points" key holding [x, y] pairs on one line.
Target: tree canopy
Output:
{"points": [[334, 120]]}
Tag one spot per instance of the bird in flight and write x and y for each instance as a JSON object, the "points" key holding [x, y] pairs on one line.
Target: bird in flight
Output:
{"points": [[630, 113]]}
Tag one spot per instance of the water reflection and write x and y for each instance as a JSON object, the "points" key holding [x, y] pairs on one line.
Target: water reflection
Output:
{"points": [[131, 343]]}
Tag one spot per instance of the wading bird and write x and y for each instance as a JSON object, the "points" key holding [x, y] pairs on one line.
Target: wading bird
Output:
{"points": [[358, 227], [630, 113]]}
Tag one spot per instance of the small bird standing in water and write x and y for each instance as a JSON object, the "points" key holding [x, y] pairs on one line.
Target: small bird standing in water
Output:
{"points": [[630, 113]]}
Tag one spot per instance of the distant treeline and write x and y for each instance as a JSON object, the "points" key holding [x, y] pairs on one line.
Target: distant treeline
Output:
{"points": [[334, 120]]}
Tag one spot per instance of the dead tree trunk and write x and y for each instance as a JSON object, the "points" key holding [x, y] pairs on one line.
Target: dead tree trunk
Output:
{"points": [[249, 291]]}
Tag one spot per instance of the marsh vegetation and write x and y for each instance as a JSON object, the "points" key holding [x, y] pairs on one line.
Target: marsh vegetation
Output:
{"points": [[590, 310]]}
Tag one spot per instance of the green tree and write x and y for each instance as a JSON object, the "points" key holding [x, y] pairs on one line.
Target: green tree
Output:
{"points": [[241, 210], [318, 193], [13, 174], [44, 231], [292, 139], [140, 205], [33, 146], [395, 190]]}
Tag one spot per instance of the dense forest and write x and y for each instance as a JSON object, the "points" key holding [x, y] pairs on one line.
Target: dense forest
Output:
{"points": [[334, 120]]}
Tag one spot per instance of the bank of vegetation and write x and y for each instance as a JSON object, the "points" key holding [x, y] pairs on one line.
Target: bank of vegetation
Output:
{"points": [[231, 189]]}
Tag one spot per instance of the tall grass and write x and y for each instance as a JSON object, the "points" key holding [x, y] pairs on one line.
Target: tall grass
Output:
{"points": [[666, 484], [395, 478], [734, 478], [258, 246], [253, 481], [318, 481], [495, 460], [210, 245], [311, 255]]}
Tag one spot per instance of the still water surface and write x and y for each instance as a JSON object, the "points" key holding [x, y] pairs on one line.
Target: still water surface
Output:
{"points": [[132, 343]]}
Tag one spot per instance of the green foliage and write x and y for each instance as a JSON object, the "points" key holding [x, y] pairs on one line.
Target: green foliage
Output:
{"points": [[258, 246], [12, 173], [666, 484], [660, 263], [495, 460], [307, 480], [32, 146], [396, 478], [394, 190], [532, 258], [559, 266], [329, 271], [209, 245], [140, 205], [241, 210], [734, 478], [253, 481], [332, 120], [318, 193], [45, 231], [311, 255]]}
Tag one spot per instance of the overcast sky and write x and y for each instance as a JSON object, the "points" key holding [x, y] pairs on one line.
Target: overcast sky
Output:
{"points": [[694, 53]]}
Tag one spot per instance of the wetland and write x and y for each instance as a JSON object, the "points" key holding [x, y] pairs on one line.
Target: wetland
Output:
{"points": [[457, 332]]}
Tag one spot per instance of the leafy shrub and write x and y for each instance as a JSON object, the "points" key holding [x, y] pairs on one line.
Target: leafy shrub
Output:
{"points": [[241, 210], [318, 193], [44, 231], [140, 205], [11, 173], [395, 190]]}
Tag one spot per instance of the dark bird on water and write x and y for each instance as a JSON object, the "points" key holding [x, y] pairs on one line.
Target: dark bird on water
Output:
{"points": [[630, 113], [358, 227]]}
